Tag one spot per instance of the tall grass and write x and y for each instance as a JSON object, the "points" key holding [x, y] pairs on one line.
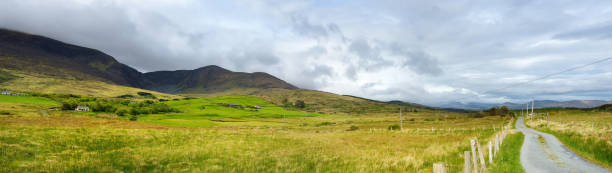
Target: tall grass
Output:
{"points": [[67, 141], [509, 157]]}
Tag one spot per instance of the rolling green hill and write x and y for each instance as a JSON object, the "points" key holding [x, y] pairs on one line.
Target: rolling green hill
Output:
{"points": [[210, 79]]}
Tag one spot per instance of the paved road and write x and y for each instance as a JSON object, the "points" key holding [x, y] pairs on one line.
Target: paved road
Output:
{"points": [[551, 156]]}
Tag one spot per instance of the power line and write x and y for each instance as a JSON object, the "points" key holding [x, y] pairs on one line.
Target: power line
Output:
{"points": [[543, 77]]}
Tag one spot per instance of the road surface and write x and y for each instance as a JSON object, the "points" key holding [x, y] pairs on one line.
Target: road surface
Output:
{"points": [[549, 155]]}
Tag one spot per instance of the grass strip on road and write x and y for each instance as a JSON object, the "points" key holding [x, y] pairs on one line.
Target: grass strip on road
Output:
{"points": [[590, 148]]}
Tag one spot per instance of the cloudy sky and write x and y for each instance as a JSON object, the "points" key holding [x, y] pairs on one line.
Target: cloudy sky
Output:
{"points": [[428, 52]]}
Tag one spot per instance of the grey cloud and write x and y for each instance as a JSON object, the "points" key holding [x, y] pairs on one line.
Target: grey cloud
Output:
{"points": [[351, 72], [370, 57], [302, 26], [313, 77], [419, 61], [603, 31]]}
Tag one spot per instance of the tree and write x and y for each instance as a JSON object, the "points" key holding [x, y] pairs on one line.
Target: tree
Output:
{"points": [[503, 111], [300, 104], [492, 111]]}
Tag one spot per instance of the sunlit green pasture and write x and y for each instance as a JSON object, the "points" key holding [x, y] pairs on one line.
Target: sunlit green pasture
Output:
{"points": [[28, 100], [214, 111]]}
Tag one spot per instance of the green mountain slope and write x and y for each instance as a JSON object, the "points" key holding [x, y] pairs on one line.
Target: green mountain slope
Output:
{"points": [[210, 79]]}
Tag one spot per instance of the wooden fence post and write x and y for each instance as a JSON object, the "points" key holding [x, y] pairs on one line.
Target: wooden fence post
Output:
{"points": [[490, 153], [496, 145], [467, 168], [482, 159], [439, 168], [474, 161]]}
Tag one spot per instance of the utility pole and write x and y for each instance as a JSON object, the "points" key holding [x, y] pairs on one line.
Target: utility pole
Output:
{"points": [[532, 104], [401, 125], [527, 111]]}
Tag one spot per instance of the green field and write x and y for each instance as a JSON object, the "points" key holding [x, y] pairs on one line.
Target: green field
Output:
{"points": [[28, 100], [214, 111], [208, 135]]}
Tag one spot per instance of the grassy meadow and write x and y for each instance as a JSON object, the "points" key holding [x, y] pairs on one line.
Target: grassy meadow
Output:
{"points": [[33, 82], [586, 132], [209, 136]]}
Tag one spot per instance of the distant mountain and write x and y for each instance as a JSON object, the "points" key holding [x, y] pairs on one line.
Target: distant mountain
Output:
{"points": [[538, 104], [210, 79], [37, 54]]}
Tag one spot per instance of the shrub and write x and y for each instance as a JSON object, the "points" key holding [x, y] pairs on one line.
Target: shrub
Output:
{"points": [[146, 95], [134, 118], [394, 127], [69, 104], [125, 96], [121, 112], [300, 104], [353, 128], [327, 124]]}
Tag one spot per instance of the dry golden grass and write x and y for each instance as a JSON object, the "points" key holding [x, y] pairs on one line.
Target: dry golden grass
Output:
{"points": [[588, 123], [66, 141], [107, 144], [31, 82]]}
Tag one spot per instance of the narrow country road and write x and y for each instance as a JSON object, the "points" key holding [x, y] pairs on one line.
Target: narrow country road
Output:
{"points": [[551, 156]]}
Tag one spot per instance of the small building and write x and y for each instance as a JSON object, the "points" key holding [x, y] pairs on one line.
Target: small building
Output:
{"points": [[82, 108], [257, 107], [6, 92]]}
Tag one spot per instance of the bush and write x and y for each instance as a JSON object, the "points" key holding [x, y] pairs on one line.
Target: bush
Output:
{"points": [[125, 96], [300, 104], [146, 95], [69, 104], [353, 128], [134, 118], [121, 112], [327, 124], [394, 127]]}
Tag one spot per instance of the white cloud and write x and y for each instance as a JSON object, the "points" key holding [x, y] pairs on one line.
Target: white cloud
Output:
{"points": [[418, 51]]}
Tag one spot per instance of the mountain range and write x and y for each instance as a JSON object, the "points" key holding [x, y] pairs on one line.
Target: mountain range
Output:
{"points": [[538, 104], [38, 54]]}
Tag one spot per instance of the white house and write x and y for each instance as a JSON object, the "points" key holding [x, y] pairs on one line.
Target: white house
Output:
{"points": [[82, 108], [6, 92]]}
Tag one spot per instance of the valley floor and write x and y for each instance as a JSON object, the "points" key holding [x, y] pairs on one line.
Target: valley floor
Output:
{"points": [[34, 139]]}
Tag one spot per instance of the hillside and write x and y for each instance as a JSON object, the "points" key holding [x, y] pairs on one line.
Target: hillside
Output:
{"points": [[42, 56], [33, 82], [37, 54], [210, 79]]}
